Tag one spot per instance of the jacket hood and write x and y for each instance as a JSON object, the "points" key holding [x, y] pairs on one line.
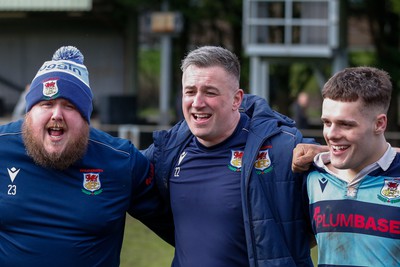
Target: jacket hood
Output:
{"points": [[257, 107]]}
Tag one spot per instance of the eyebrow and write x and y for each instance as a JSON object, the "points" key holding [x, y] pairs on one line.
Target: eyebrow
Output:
{"points": [[354, 122], [201, 88]]}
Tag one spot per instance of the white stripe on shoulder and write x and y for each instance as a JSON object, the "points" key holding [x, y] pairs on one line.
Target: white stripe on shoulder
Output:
{"points": [[12, 133], [106, 145], [289, 133]]}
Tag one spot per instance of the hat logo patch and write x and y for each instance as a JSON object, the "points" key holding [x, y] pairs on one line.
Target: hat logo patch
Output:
{"points": [[50, 88]]}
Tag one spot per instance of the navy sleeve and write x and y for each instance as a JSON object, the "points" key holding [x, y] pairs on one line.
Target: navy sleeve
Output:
{"points": [[147, 204]]}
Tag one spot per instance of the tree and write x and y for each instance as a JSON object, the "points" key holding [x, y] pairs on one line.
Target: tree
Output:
{"points": [[383, 18]]}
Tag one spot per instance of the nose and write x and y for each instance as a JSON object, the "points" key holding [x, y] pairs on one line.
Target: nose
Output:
{"points": [[57, 113], [198, 100], [331, 132]]}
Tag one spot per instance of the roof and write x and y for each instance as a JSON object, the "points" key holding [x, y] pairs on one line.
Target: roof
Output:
{"points": [[45, 5]]}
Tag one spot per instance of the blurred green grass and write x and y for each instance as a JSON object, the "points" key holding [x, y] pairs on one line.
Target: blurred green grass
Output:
{"points": [[314, 256], [142, 248]]}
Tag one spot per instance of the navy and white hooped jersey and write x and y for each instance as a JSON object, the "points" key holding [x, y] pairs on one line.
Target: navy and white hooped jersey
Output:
{"points": [[358, 223]]}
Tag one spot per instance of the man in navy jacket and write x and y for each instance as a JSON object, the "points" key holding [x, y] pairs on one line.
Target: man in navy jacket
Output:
{"points": [[226, 170]]}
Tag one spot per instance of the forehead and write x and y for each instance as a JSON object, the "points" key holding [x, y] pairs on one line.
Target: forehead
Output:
{"points": [[56, 101], [332, 109], [207, 75]]}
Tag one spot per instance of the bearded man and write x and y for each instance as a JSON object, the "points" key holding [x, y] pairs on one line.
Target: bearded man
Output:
{"points": [[65, 187]]}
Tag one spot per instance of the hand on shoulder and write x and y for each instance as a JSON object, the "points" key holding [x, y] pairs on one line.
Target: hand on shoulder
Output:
{"points": [[303, 155]]}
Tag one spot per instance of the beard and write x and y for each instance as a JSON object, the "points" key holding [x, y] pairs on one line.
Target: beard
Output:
{"points": [[74, 151]]}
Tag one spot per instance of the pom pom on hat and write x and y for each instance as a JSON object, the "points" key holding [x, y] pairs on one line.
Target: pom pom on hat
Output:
{"points": [[64, 76], [68, 53]]}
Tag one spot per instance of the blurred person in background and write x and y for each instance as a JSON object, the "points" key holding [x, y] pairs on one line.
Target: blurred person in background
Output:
{"points": [[299, 110], [19, 109]]}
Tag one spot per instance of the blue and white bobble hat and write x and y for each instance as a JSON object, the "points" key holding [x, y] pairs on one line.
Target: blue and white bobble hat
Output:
{"points": [[64, 76]]}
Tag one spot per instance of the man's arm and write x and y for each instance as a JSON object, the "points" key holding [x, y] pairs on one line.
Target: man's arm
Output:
{"points": [[303, 155]]}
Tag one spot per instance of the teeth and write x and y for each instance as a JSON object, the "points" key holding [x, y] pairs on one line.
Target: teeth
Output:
{"points": [[201, 116], [339, 147]]}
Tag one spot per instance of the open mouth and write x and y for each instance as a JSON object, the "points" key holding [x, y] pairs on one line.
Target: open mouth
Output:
{"points": [[200, 117], [55, 131], [339, 148]]}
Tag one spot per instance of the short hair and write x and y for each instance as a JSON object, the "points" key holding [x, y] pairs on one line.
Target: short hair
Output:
{"points": [[210, 56], [370, 84]]}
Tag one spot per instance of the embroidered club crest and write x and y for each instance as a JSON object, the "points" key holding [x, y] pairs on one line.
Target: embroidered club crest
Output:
{"points": [[91, 184], [50, 88], [390, 191], [263, 162], [235, 163]]}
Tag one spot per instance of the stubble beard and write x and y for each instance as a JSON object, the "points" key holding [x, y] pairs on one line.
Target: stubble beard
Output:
{"points": [[74, 151]]}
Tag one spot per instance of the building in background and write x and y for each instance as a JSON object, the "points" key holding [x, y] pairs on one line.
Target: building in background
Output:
{"points": [[32, 30]]}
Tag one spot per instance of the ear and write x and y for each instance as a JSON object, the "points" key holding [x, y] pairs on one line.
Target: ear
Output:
{"points": [[380, 123], [237, 99]]}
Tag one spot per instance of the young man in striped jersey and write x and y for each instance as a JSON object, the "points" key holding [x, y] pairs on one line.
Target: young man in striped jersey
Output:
{"points": [[353, 190]]}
